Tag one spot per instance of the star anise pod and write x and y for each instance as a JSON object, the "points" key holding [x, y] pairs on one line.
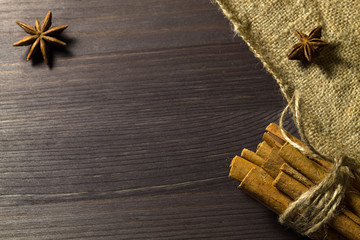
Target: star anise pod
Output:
{"points": [[308, 47], [40, 36]]}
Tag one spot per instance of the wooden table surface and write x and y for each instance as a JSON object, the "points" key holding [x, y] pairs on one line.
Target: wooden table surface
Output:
{"points": [[130, 133]]}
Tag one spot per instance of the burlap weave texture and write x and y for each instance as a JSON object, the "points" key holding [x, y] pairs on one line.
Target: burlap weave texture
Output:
{"points": [[329, 87]]}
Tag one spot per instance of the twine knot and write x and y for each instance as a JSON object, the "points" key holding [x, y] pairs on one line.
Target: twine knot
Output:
{"points": [[319, 204]]}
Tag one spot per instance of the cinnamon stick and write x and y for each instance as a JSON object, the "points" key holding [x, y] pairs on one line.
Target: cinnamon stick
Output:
{"points": [[269, 139], [352, 199], [327, 165], [300, 162], [275, 130], [252, 157], [289, 185], [239, 167], [286, 168], [263, 149]]}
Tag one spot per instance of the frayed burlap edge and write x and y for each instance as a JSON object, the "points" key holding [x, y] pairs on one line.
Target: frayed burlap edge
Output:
{"points": [[231, 15]]}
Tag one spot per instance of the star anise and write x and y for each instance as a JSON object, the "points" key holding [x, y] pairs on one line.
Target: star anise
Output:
{"points": [[308, 47], [40, 36]]}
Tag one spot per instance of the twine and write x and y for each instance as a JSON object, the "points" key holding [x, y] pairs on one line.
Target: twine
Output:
{"points": [[313, 209], [330, 90]]}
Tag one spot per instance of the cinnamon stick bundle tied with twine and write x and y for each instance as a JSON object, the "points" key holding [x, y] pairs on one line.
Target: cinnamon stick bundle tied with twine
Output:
{"points": [[278, 175]]}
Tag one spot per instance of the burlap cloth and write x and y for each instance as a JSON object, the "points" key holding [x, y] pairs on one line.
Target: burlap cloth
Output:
{"points": [[329, 87]]}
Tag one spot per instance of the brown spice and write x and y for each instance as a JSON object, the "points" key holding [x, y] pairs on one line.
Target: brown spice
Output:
{"points": [[308, 47], [40, 35]]}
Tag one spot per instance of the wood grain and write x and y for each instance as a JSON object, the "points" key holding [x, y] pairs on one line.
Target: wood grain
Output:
{"points": [[129, 135]]}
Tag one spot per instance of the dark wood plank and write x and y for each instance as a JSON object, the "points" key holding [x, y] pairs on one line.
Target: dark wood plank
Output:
{"points": [[129, 135]]}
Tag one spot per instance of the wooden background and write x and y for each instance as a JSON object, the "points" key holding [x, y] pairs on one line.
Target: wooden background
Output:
{"points": [[130, 133]]}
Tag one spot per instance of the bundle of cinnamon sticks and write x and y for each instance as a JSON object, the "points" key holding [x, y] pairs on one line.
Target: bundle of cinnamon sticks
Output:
{"points": [[277, 174]]}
